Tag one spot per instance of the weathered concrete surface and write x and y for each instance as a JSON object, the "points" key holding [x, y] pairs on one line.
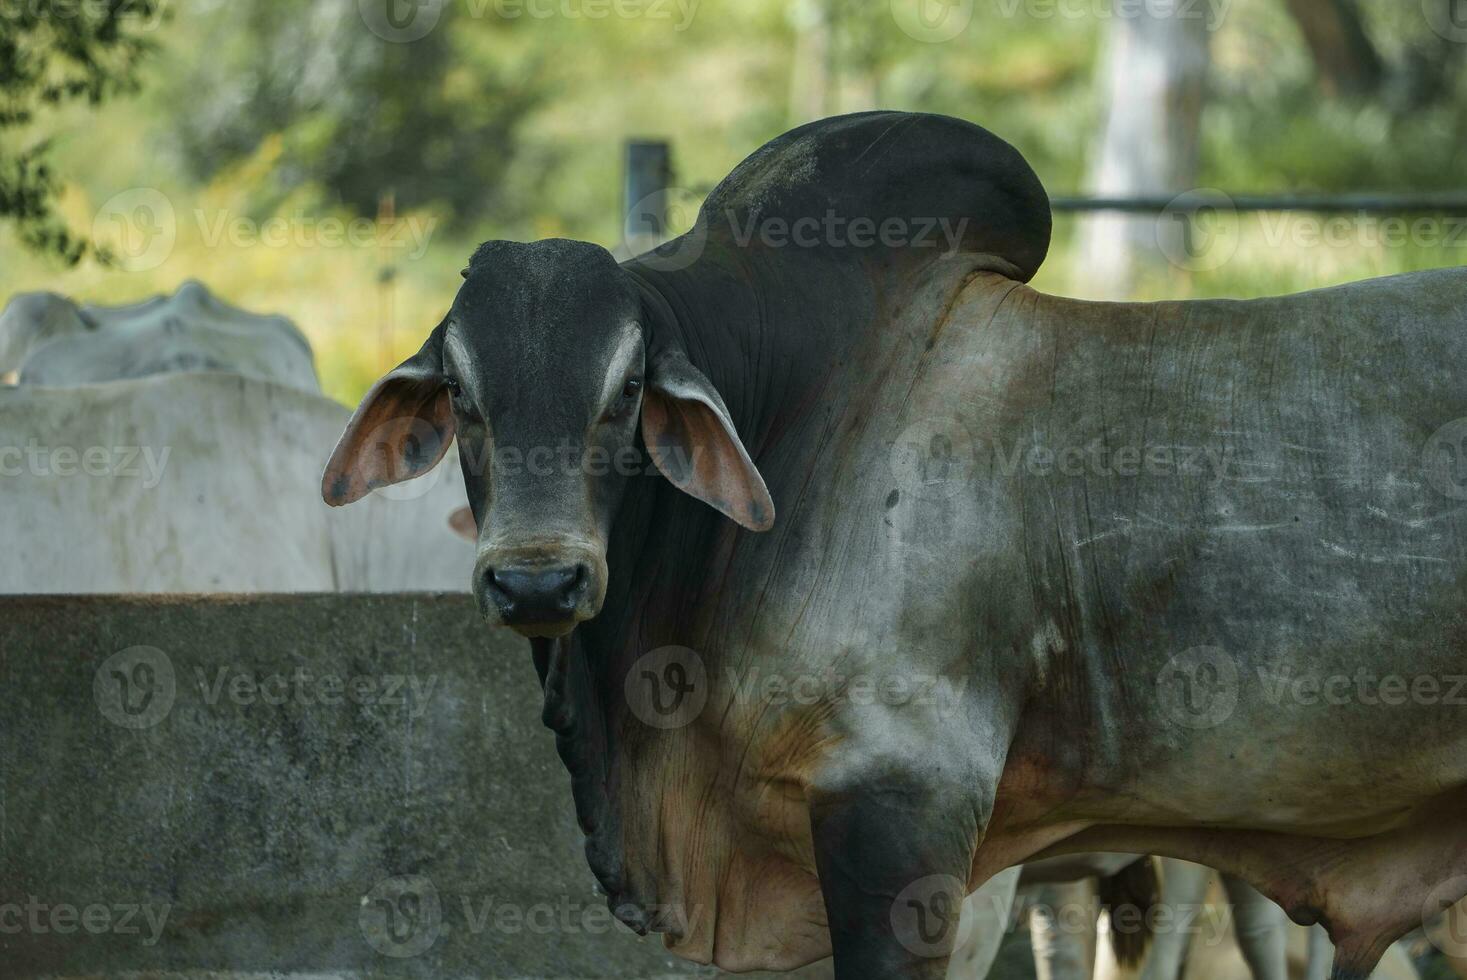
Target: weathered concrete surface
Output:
{"points": [[319, 784]]}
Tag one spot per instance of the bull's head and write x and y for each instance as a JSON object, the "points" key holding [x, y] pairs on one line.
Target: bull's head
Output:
{"points": [[542, 370]]}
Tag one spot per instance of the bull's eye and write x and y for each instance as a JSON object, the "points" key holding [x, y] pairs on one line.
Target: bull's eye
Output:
{"points": [[454, 388], [621, 407]]}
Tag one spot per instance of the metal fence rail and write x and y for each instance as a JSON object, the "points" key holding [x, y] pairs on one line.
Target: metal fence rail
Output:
{"points": [[1369, 203], [649, 175]]}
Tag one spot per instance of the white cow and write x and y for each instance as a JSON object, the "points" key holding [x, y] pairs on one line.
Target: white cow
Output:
{"points": [[47, 339], [204, 482], [126, 468]]}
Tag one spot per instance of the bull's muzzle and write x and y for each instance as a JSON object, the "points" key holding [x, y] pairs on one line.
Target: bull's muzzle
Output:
{"points": [[539, 591]]}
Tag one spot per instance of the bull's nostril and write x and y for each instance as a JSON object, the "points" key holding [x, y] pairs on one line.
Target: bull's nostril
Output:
{"points": [[537, 593], [497, 591]]}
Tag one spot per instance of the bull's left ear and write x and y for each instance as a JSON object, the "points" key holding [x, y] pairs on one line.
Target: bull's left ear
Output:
{"points": [[401, 430], [692, 440]]}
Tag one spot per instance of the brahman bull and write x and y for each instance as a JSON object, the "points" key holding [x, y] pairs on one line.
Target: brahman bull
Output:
{"points": [[1047, 576]]}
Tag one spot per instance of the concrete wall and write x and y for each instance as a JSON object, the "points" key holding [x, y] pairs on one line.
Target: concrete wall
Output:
{"points": [[321, 785]]}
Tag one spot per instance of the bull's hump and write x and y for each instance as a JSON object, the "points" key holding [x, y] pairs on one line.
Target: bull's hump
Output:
{"points": [[916, 168]]}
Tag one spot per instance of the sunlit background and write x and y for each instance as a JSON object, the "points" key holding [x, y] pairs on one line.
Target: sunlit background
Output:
{"points": [[310, 158]]}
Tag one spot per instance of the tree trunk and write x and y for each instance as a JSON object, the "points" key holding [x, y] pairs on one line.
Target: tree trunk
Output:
{"points": [[1344, 57], [1153, 75], [810, 75]]}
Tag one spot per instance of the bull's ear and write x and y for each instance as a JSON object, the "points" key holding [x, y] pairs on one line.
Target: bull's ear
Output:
{"points": [[401, 430], [462, 523], [692, 440]]}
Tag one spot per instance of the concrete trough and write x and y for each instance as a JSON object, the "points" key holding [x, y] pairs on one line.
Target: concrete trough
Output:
{"points": [[308, 785]]}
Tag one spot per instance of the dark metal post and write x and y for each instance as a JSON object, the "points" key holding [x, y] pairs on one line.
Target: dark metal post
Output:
{"points": [[644, 193]]}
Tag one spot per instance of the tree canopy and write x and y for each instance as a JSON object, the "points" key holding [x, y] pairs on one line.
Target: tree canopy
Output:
{"points": [[54, 52]]}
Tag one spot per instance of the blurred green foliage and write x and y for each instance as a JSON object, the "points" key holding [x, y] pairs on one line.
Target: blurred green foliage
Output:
{"points": [[54, 52], [501, 122], [434, 121]]}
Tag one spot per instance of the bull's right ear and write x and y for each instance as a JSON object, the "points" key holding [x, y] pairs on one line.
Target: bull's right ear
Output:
{"points": [[401, 430]]}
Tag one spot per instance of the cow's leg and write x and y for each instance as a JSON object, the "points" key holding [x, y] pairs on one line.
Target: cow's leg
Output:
{"points": [[985, 920], [1062, 927], [1262, 930], [894, 861], [1183, 892], [1321, 954]]}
